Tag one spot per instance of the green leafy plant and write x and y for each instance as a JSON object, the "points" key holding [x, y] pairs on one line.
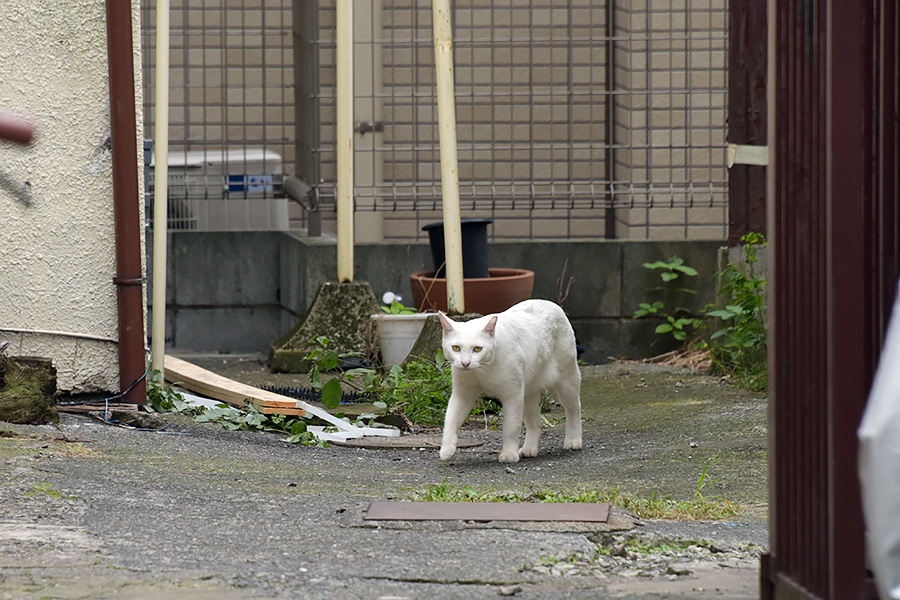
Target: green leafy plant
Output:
{"points": [[324, 359], [672, 270], [395, 308], [167, 400], [739, 347], [164, 398], [678, 323], [420, 389], [251, 419]]}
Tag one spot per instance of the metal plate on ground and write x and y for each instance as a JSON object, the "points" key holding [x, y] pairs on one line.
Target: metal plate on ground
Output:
{"points": [[488, 511], [409, 442]]}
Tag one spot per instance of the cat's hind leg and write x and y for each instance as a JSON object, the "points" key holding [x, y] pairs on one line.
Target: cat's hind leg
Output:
{"points": [[568, 392], [458, 408], [532, 414]]}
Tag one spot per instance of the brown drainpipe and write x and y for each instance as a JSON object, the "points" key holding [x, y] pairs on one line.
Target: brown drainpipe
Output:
{"points": [[123, 125]]}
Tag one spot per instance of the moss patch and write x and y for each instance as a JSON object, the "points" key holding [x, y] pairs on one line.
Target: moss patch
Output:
{"points": [[27, 391], [340, 312]]}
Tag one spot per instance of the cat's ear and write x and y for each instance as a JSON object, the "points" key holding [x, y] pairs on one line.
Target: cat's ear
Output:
{"points": [[491, 325], [446, 323]]}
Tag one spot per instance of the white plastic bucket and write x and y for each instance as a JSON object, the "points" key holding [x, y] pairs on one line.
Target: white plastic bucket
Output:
{"points": [[397, 334]]}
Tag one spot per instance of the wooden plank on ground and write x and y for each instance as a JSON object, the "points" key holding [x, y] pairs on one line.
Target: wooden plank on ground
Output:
{"points": [[488, 511], [407, 442], [202, 381]]}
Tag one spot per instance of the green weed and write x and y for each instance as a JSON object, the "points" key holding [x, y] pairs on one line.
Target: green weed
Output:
{"points": [[739, 346], [736, 334], [234, 419], [163, 398], [700, 508], [47, 489], [168, 400], [678, 323], [417, 389]]}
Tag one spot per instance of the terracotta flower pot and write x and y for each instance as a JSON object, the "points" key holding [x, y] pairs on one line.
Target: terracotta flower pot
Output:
{"points": [[504, 288]]}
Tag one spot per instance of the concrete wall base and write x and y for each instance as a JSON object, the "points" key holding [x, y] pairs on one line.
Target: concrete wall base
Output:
{"points": [[241, 291]]}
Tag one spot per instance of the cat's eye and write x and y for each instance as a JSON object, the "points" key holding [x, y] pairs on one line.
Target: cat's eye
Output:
{"points": [[454, 348], [477, 349]]}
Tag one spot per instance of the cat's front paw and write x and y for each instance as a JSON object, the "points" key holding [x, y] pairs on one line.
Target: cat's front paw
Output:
{"points": [[573, 444], [447, 452], [509, 457], [527, 452]]}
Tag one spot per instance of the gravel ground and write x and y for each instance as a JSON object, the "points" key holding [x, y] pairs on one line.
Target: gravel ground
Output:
{"points": [[89, 510]]}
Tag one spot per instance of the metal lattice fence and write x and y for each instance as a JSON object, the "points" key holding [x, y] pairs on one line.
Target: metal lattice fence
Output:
{"points": [[231, 113], [576, 118]]}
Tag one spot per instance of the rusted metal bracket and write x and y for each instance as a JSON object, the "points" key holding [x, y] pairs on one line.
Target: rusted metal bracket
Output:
{"points": [[129, 280]]}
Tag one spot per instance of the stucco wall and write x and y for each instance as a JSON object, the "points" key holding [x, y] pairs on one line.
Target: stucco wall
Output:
{"points": [[57, 261]]}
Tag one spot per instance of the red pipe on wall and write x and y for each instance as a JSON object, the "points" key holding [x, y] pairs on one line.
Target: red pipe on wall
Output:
{"points": [[123, 126]]}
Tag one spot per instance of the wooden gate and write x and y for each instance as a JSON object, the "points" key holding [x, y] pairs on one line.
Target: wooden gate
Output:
{"points": [[833, 223]]}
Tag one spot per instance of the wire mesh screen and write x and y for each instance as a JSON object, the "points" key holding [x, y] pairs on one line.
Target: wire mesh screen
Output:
{"points": [[231, 111], [576, 118]]}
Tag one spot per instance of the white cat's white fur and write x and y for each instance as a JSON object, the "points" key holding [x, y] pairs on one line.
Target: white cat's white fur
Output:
{"points": [[513, 356]]}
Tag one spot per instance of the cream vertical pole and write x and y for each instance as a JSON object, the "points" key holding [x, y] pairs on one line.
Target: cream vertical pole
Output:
{"points": [[443, 63], [160, 189], [344, 139]]}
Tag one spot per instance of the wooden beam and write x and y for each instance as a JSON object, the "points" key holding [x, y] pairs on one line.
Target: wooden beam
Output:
{"points": [[234, 393]]}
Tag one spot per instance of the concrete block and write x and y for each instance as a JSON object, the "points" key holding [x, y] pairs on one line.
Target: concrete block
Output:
{"points": [[644, 285], [599, 338], [638, 339], [387, 267], [225, 268], [595, 266], [249, 329]]}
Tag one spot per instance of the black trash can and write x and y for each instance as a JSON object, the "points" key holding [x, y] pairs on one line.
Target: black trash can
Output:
{"points": [[474, 247]]}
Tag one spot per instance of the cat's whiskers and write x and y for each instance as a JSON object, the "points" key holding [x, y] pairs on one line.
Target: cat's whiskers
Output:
{"points": [[480, 370]]}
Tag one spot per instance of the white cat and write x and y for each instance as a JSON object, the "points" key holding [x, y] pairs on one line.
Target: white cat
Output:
{"points": [[513, 356]]}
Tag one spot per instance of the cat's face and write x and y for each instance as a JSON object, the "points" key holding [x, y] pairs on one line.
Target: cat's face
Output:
{"points": [[469, 345]]}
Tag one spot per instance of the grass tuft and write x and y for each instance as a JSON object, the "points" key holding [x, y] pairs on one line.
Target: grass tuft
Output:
{"points": [[654, 507]]}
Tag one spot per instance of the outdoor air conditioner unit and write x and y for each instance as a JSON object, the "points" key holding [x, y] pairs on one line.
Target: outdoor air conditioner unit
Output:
{"points": [[236, 189]]}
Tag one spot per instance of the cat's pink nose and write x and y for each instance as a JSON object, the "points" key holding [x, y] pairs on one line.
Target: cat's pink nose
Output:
{"points": [[465, 363]]}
